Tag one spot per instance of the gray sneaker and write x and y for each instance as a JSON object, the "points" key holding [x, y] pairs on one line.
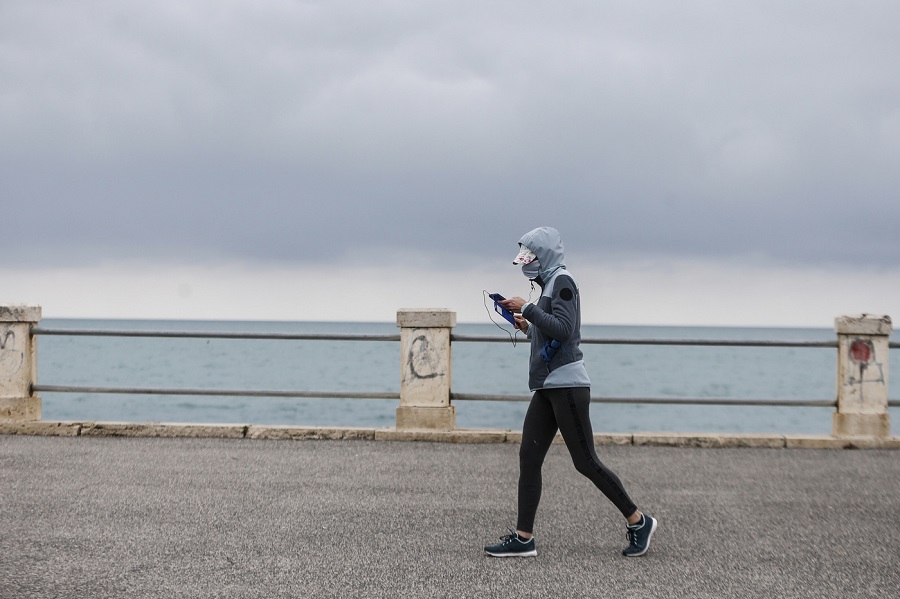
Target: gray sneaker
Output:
{"points": [[639, 536], [512, 545]]}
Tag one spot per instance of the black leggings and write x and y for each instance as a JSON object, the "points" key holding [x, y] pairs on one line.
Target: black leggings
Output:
{"points": [[565, 409]]}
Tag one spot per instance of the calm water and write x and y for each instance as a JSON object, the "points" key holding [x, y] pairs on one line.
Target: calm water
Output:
{"points": [[619, 371]]}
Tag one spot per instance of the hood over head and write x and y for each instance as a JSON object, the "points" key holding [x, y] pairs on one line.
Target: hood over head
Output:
{"points": [[547, 245]]}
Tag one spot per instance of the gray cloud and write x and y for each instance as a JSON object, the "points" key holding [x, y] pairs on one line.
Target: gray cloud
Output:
{"points": [[309, 131]]}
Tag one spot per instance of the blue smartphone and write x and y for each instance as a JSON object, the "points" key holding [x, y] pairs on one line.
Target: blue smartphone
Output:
{"points": [[501, 310]]}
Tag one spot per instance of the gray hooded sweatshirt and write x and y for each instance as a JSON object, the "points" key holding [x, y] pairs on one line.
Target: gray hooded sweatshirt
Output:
{"points": [[556, 317]]}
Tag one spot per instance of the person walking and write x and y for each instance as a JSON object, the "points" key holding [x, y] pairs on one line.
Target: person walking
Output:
{"points": [[562, 396]]}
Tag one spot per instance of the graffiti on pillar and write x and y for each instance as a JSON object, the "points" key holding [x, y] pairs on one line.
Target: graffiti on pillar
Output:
{"points": [[11, 358], [422, 359], [862, 353], [4, 339]]}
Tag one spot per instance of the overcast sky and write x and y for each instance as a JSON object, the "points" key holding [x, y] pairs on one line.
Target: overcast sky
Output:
{"points": [[716, 162]]}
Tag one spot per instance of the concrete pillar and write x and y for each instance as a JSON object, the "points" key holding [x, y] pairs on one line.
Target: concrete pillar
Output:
{"points": [[862, 376], [425, 364], [18, 363]]}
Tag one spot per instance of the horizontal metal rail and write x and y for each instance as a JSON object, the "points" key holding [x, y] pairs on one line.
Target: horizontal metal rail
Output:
{"points": [[217, 392], [396, 337], [825, 403], [700, 401], [687, 342], [214, 335]]}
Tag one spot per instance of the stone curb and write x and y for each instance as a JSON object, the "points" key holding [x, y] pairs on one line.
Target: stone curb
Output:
{"points": [[302, 433], [42, 428], [299, 433], [709, 440], [159, 429]]}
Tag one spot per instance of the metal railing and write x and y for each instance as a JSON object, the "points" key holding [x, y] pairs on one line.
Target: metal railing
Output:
{"points": [[212, 335], [669, 400], [271, 393], [277, 393]]}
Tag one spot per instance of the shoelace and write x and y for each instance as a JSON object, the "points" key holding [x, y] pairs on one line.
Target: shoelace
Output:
{"points": [[629, 534], [512, 536]]}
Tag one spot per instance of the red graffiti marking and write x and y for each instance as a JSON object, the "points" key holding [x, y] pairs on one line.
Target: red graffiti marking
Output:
{"points": [[861, 351]]}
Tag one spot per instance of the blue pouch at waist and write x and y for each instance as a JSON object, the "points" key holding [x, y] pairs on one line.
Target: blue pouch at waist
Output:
{"points": [[551, 346]]}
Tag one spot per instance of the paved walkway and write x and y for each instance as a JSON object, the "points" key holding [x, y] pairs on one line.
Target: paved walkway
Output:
{"points": [[146, 517]]}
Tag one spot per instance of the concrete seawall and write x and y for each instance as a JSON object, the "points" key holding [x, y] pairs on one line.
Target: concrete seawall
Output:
{"points": [[253, 431], [426, 411]]}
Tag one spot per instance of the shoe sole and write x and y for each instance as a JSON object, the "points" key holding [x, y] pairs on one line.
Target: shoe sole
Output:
{"points": [[649, 537], [532, 553]]}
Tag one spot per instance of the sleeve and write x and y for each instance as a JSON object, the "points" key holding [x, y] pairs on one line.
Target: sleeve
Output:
{"points": [[559, 323]]}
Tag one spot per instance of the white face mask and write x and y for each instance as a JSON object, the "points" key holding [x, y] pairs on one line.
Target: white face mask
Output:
{"points": [[532, 269]]}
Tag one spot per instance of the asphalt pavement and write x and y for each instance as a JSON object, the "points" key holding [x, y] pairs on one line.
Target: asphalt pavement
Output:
{"points": [[148, 517]]}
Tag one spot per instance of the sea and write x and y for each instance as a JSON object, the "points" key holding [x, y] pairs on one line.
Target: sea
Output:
{"points": [[478, 367]]}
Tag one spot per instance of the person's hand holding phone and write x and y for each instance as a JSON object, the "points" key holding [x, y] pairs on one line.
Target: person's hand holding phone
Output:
{"points": [[513, 304], [521, 323]]}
